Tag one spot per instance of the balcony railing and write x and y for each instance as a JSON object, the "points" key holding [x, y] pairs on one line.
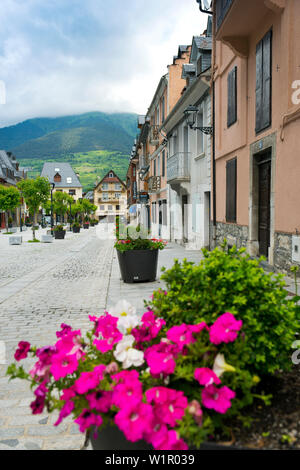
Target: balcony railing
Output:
{"points": [[154, 184], [178, 167], [222, 7]]}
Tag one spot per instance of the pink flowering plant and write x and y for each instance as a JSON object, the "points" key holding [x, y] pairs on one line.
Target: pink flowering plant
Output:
{"points": [[168, 386]]}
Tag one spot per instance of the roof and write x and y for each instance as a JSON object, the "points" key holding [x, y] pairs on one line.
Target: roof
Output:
{"points": [[114, 179], [203, 42], [188, 69], [50, 169]]}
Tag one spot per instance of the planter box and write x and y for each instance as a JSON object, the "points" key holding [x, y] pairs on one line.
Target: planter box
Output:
{"points": [[59, 235], [15, 240], [76, 229], [86, 226], [138, 265], [13, 229]]}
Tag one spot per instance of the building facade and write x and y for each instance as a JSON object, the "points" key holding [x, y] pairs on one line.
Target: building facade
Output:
{"points": [[257, 111], [10, 174], [110, 197], [64, 178], [189, 152]]}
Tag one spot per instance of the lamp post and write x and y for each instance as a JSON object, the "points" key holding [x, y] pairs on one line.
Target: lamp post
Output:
{"points": [[52, 188]]}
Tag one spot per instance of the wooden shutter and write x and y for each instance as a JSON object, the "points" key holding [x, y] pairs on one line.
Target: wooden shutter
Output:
{"points": [[231, 190], [264, 83], [232, 97]]}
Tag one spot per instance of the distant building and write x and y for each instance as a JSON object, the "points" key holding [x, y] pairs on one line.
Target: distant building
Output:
{"points": [[10, 174], [64, 178], [89, 196], [110, 197]]}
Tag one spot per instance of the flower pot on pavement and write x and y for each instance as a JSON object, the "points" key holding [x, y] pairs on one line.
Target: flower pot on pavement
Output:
{"points": [[86, 226], [111, 438], [138, 265], [59, 234], [76, 229]]}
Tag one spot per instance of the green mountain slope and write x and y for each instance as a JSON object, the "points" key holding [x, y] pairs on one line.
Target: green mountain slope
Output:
{"points": [[93, 143], [57, 137]]}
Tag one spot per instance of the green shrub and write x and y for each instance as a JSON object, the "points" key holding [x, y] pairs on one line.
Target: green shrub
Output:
{"points": [[58, 228], [232, 282]]}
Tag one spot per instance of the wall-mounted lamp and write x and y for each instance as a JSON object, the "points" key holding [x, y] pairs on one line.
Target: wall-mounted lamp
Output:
{"points": [[190, 114]]}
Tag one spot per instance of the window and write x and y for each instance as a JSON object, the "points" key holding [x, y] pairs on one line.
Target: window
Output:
{"points": [[163, 169], [104, 186], [117, 195], [105, 197], [117, 207], [232, 97], [264, 83], [157, 116], [102, 208], [154, 167], [158, 165], [153, 212], [164, 212], [69, 180], [118, 187], [57, 178], [111, 175], [231, 190], [110, 208], [72, 192]]}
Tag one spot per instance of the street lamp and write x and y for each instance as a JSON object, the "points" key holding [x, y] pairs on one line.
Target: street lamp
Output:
{"points": [[52, 188], [190, 114]]}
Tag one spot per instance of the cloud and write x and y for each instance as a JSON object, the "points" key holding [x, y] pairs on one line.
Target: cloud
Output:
{"points": [[60, 57]]}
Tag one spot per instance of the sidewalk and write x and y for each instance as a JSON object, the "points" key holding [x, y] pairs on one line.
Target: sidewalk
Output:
{"points": [[138, 292]]}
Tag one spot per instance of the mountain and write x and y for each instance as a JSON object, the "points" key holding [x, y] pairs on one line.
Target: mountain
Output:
{"points": [[44, 138]]}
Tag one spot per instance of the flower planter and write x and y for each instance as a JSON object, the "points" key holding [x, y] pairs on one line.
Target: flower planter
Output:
{"points": [[138, 265], [111, 438], [86, 226], [59, 234], [76, 229]]}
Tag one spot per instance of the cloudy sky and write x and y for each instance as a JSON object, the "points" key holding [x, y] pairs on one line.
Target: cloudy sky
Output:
{"points": [[60, 57]]}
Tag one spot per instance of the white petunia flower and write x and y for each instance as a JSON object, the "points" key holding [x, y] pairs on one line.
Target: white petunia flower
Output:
{"points": [[127, 316], [126, 354], [220, 366]]}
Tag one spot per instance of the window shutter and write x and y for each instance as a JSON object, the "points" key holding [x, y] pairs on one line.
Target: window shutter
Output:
{"points": [[232, 97], [231, 190], [267, 79], [263, 82]]}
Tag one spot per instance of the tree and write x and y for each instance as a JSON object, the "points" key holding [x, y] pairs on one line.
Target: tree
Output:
{"points": [[9, 200], [61, 202], [36, 194]]}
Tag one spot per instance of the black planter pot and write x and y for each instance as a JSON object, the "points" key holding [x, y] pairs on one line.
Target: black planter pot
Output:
{"points": [[59, 235], [86, 226], [76, 229], [138, 265], [111, 438]]}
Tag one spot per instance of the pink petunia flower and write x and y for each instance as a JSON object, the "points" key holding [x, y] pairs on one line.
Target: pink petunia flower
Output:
{"points": [[70, 343], [107, 332], [65, 412], [134, 421], [161, 359], [89, 380], [150, 328], [217, 399], [169, 441], [127, 392], [168, 405], [183, 335], [195, 410], [100, 401], [206, 376], [88, 419], [38, 405], [22, 351], [63, 365], [125, 376], [65, 329], [225, 329]]}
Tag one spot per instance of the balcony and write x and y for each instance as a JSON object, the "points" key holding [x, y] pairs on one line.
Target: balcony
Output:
{"points": [[154, 135], [236, 20], [154, 184], [178, 168]]}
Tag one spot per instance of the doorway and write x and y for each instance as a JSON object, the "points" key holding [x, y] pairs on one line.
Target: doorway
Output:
{"points": [[185, 218], [264, 204]]}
